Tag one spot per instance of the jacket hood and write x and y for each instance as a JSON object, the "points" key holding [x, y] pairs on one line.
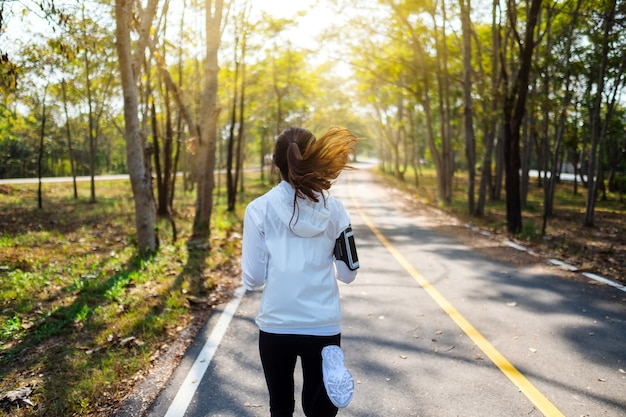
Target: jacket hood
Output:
{"points": [[309, 218]]}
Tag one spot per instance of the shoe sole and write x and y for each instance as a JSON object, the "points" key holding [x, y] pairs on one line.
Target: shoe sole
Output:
{"points": [[337, 379]]}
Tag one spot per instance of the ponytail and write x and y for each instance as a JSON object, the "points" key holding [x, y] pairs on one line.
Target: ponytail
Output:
{"points": [[311, 165]]}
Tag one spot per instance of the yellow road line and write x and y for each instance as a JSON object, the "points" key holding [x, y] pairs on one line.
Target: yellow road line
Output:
{"points": [[532, 393]]}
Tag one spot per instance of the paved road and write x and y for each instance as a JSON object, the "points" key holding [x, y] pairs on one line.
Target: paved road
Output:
{"points": [[431, 328]]}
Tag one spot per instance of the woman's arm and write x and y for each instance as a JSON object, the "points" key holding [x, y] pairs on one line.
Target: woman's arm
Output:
{"points": [[253, 252], [343, 273]]}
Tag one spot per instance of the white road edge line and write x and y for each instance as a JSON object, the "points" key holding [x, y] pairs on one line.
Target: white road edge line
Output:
{"points": [[562, 264], [188, 388], [605, 281]]}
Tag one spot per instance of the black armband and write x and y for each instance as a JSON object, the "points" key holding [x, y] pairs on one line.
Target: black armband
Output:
{"points": [[345, 249]]}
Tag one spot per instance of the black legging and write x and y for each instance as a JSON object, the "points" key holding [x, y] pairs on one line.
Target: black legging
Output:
{"points": [[278, 356]]}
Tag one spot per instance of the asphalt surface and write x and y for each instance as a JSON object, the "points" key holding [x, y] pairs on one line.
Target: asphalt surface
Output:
{"points": [[430, 328]]}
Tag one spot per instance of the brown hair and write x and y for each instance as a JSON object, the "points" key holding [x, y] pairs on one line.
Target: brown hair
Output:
{"points": [[311, 165]]}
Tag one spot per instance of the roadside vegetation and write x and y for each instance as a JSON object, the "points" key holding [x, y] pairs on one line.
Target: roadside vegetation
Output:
{"points": [[81, 316], [600, 249]]}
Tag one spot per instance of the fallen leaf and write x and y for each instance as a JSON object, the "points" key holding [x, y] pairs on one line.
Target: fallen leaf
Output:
{"points": [[602, 379], [512, 304], [403, 356], [17, 397], [533, 350], [127, 340], [196, 300], [252, 405]]}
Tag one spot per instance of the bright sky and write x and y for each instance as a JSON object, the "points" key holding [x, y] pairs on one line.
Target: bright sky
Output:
{"points": [[282, 8], [310, 25], [317, 17]]}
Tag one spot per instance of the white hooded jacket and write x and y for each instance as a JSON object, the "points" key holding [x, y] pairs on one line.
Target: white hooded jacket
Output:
{"points": [[291, 253]]}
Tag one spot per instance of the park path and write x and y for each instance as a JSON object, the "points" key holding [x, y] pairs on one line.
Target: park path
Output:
{"points": [[430, 328]]}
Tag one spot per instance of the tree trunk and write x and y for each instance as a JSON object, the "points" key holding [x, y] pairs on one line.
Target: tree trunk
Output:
{"points": [[468, 115], [158, 172], [241, 133], [168, 173], [179, 134], [498, 178], [145, 215], [596, 129], [490, 124], [69, 139], [163, 164], [231, 185], [514, 108], [527, 138], [550, 183], [443, 77], [42, 134], [205, 163], [90, 115]]}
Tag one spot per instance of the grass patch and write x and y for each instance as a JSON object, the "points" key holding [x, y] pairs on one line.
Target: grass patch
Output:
{"points": [[81, 317]]}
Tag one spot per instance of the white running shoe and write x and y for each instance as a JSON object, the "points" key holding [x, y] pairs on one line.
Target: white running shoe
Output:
{"points": [[337, 379]]}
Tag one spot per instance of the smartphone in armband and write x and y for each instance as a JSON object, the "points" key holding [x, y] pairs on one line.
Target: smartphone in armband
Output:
{"points": [[345, 249]]}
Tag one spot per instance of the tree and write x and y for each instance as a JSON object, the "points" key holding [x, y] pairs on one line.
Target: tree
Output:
{"points": [[550, 183], [94, 46], [136, 157], [419, 71], [470, 140], [490, 121], [443, 84], [235, 144], [68, 131], [42, 135], [205, 161], [598, 125], [515, 107]]}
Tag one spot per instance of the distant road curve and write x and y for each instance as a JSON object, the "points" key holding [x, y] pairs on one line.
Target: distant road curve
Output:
{"points": [[532, 173], [63, 179], [564, 175], [16, 181]]}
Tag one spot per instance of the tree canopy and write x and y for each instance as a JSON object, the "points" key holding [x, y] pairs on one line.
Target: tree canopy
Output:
{"points": [[487, 90]]}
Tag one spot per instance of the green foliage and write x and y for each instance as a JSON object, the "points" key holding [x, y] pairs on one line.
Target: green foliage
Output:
{"points": [[529, 231], [76, 290], [11, 327], [117, 286], [8, 74]]}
